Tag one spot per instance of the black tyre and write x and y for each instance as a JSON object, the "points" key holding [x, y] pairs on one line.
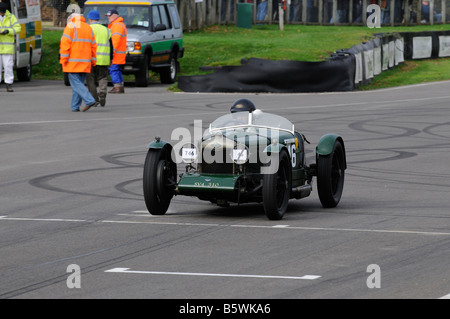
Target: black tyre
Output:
{"points": [[24, 74], [142, 77], [159, 180], [277, 188], [330, 176], [168, 75]]}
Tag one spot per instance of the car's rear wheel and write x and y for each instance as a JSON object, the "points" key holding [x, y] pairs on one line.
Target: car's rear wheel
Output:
{"points": [[330, 176], [159, 180], [168, 75], [277, 188], [25, 73]]}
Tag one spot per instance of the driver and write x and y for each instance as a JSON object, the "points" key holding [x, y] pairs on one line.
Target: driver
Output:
{"points": [[241, 109], [243, 105]]}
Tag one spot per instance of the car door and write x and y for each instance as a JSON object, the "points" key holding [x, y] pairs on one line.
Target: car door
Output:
{"points": [[162, 27]]}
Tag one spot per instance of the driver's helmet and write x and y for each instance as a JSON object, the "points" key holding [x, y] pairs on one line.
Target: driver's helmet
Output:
{"points": [[243, 105]]}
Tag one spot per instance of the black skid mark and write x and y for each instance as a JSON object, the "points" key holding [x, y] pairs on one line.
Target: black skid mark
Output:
{"points": [[45, 182], [397, 155], [115, 159]]}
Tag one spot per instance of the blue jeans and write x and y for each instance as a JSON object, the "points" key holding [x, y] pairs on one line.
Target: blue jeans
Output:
{"points": [[262, 11], [115, 71], [80, 92]]}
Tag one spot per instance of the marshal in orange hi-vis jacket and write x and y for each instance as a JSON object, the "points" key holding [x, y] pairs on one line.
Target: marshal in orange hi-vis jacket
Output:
{"points": [[119, 40], [78, 48]]}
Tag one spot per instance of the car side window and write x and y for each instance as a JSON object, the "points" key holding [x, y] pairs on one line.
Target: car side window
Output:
{"points": [[164, 17], [156, 19], [159, 14], [21, 9], [174, 14]]}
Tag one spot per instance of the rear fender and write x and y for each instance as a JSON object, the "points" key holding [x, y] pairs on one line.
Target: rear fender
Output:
{"points": [[326, 144]]}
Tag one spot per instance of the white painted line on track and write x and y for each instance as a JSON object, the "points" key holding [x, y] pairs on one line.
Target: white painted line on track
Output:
{"points": [[128, 271], [445, 297], [43, 219], [99, 119], [349, 230], [384, 103], [159, 223], [288, 227]]}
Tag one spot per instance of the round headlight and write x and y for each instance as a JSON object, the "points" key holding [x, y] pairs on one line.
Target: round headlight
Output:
{"points": [[240, 155]]}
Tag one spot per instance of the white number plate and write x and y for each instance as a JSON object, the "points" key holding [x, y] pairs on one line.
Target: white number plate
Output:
{"points": [[189, 154]]}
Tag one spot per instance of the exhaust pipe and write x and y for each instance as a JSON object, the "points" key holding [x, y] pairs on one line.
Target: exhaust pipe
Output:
{"points": [[301, 191]]}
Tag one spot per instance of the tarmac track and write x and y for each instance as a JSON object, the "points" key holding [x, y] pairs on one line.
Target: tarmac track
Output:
{"points": [[71, 194]]}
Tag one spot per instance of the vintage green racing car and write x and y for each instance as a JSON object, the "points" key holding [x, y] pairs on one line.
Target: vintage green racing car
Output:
{"points": [[245, 156]]}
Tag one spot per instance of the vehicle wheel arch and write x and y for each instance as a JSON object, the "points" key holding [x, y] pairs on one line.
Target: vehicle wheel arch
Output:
{"points": [[275, 148], [148, 52], [159, 144], [326, 144], [175, 49]]}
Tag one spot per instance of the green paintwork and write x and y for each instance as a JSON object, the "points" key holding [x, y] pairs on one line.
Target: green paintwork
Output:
{"points": [[206, 182], [163, 45], [326, 144], [274, 148], [157, 144]]}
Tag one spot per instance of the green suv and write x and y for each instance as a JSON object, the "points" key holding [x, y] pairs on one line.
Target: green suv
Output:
{"points": [[155, 36]]}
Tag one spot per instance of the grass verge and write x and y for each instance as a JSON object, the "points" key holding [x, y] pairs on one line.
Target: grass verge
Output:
{"points": [[227, 45]]}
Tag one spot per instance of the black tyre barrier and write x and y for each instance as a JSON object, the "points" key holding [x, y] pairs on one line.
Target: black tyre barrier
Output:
{"points": [[426, 45], [282, 76], [344, 70]]}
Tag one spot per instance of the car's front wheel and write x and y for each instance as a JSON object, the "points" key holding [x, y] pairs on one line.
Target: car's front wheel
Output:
{"points": [[159, 180], [142, 77], [277, 188], [330, 176]]}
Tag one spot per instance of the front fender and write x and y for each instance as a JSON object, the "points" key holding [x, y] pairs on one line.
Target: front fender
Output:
{"points": [[157, 144]]}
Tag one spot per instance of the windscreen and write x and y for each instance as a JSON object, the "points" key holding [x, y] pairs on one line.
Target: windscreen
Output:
{"points": [[271, 120], [133, 16], [229, 120], [255, 119]]}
